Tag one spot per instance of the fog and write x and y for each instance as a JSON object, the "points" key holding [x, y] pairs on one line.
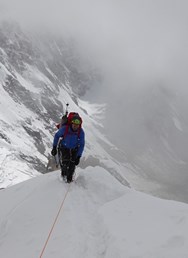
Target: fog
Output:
{"points": [[134, 42], [141, 49]]}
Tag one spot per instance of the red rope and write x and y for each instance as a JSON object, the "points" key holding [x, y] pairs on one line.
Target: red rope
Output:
{"points": [[54, 223]]}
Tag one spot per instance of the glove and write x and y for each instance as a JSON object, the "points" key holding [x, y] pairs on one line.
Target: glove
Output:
{"points": [[54, 151], [77, 160]]}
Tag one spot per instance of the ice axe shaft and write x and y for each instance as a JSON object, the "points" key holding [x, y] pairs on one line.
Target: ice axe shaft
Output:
{"points": [[56, 161], [66, 111]]}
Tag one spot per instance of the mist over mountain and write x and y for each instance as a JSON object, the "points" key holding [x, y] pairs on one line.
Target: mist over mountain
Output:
{"points": [[128, 55]]}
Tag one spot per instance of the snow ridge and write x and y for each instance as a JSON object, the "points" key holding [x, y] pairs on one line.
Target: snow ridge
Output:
{"points": [[100, 218]]}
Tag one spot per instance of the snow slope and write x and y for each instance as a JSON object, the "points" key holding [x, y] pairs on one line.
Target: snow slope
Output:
{"points": [[99, 218]]}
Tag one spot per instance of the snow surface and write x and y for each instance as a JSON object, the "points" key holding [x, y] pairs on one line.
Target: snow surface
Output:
{"points": [[99, 218]]}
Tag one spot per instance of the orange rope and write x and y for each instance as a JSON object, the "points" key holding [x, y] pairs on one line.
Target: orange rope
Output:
{"points": [[54, 223]]}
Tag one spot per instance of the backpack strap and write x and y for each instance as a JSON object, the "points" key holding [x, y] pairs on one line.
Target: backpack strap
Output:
{"points": [[66, 131], [79, 130]]}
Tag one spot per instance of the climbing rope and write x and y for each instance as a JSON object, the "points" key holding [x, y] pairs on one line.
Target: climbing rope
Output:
{"points": [[61, 206]]}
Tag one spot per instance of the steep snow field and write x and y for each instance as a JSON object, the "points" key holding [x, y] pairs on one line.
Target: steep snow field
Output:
{"points": [[99, 218]]}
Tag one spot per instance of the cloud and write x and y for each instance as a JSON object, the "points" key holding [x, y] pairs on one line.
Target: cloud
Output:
{"points": [[132, 41]]}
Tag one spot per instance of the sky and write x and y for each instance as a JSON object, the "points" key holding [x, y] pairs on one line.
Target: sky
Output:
{"points": [[95, 216]]}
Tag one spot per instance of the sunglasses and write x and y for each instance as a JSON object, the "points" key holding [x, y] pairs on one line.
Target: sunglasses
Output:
{"points": [[76, 122]]}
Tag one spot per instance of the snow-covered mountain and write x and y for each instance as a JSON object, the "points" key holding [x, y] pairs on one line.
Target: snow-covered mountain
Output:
{"points": [[93, 217], [38, 76]]}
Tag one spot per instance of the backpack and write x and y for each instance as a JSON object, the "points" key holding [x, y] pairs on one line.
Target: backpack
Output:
{"points": [[66, 120]]}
